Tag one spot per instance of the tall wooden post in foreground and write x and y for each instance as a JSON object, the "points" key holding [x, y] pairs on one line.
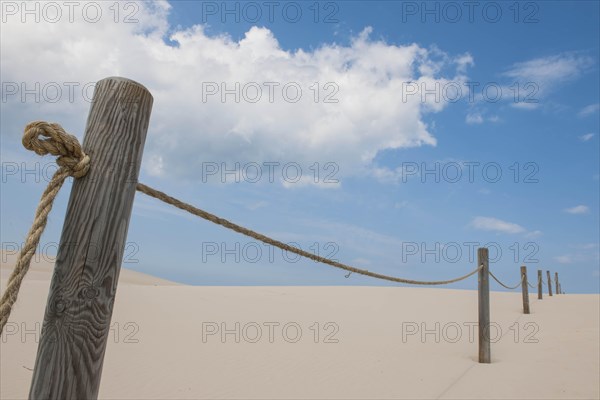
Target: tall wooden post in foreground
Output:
{"points": [[556, 283], [549, 283], [525, 287], [540, 284], [82, 293], [484, 305]]}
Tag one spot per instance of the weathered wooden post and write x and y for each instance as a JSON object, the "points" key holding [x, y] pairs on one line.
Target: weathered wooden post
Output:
{"points": [[540, 282], [82, 293], [484, 305], [556, 283], [549, 283], [525, 288]]}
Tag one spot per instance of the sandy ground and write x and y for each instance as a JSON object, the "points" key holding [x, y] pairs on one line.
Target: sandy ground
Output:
{"points": [[177, 342]]}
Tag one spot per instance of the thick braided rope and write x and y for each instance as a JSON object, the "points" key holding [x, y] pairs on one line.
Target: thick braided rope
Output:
{"points": [[244, 231], [507, 287], [73, 162]]}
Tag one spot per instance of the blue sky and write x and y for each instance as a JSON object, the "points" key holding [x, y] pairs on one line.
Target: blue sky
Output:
{"points": [[522, 134]]}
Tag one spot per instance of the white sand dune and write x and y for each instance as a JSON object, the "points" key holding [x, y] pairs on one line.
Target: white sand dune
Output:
{"points": [[160, 347]]}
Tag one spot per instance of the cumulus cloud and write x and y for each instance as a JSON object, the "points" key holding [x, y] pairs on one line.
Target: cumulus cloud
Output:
{"points": [[496, 225], [181, 67], [580, 209]]}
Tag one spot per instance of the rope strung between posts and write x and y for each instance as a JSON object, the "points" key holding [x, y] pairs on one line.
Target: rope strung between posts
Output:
{"points": [[74, 162], [258, 236], [533, 286], [507, 287]]}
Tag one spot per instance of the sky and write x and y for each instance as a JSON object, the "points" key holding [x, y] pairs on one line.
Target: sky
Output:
{"points": [[394, 136]]}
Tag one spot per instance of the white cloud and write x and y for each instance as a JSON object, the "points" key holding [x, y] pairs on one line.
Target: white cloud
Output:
{"points": [[550, 70], [589, 110], [565, 259], [586, 137], [387, 175], [533, 234], [581, 209], [464, 61], [477, 117], [534, 80], [586, 253], [496, 225], [474, 118], [188, 128]]}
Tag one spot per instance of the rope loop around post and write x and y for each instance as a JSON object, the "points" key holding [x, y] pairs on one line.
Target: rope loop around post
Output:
{"points": [[59, 143], [73, 162]]}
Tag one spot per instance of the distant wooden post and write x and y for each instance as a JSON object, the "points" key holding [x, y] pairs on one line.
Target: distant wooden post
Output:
{"points": [[549, 283], [556, 282], [525, 288], [540, 283], [82, 293], [484, 305]]}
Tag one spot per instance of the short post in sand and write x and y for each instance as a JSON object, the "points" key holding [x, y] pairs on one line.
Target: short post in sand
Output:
{"points": [[540, 284], [556, 282], [82, 293], [484, 305], [549, 283], [525, 288]]}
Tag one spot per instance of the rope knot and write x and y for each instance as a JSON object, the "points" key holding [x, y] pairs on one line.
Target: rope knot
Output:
{"points": [[59, 143]]}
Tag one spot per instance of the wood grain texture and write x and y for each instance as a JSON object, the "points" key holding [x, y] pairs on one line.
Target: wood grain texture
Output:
{"points": [[525, 288], [549, 283], [540, 285], [485, 354], [82, 292]]}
